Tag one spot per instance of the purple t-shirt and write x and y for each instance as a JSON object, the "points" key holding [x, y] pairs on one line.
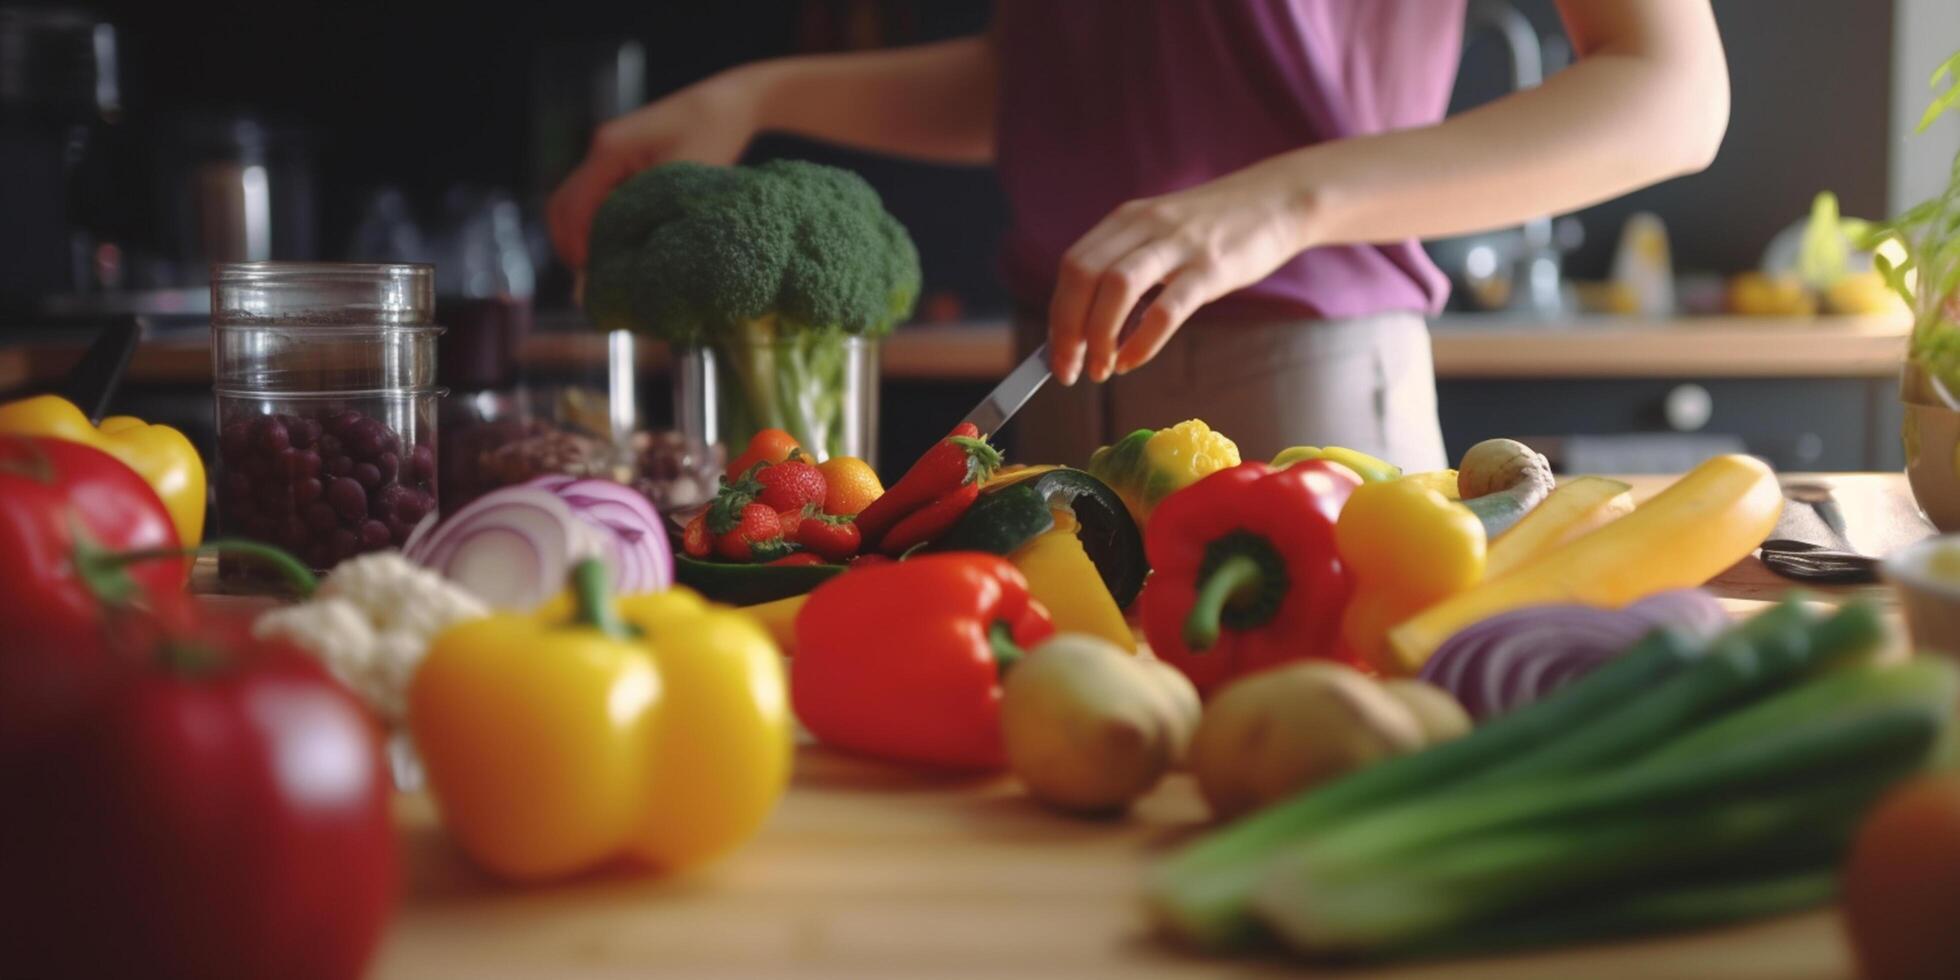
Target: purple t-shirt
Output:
{"points": [[1104, 101]]}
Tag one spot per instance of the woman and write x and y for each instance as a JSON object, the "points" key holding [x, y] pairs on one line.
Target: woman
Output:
{"points": [[1242, 179]]}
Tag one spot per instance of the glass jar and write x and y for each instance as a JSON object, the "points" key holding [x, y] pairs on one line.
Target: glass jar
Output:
{"points": [[325, 383], [819, 385]]}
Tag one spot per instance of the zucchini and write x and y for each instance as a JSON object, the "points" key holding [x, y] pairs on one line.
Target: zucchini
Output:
{"points": [[741, 584], [1012, 512], [1000, 521]]}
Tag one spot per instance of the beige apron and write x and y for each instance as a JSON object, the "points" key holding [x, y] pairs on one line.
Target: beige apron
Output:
{"points": [[1365, 383]]}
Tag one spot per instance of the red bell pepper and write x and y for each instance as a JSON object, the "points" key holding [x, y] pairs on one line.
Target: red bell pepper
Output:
{"points": [[1244, 574], [932, 495], [903, 661], [223, 811]]}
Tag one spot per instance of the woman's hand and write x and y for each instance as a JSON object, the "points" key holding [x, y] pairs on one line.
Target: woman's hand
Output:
{"points": [[711, 121], [1196, 244], [930, 101]]}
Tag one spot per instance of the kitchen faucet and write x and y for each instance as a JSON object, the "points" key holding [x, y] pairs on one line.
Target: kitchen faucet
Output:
{"points": [[1536, 274]]}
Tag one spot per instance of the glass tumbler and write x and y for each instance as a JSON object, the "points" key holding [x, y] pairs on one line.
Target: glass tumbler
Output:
{"points": [[325, 387]]}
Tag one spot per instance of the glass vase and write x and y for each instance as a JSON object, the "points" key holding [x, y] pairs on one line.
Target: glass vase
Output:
{"points": [[820, 386]]}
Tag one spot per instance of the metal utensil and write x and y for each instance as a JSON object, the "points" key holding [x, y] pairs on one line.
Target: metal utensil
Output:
{"points": [[1803, 560], [1012, 393], [93, 381]]}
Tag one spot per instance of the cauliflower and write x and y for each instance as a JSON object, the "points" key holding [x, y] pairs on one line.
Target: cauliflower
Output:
{"points": [[370, 623]]}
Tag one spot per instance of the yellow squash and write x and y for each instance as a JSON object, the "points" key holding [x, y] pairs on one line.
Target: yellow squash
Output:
{"points": [[1575, 507], [1062, 577], [1701, 524], [557, 741], [158, 453], [778, 618], [1369, 468]]}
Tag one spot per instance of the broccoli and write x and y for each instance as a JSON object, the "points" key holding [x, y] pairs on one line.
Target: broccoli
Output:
{"points": [[769, 268]]}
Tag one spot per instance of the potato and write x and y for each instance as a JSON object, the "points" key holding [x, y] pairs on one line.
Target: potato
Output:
{"points": [[1277, 732], [1441, 717], [1090, 727]]}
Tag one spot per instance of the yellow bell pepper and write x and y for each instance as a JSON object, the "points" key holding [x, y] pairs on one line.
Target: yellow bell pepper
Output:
{"points": [[1407, 547], [657, 732], [158, 453], [1148, 465], [1062, 578], [1441, 481], [1368, 468]]}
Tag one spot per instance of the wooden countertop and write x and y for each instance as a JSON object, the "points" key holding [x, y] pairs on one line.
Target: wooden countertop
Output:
{"points": [[867, 870], [1465, 347]]}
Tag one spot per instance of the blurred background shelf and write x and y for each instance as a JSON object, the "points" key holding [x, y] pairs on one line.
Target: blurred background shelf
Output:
{"points": [[1614, 393]]}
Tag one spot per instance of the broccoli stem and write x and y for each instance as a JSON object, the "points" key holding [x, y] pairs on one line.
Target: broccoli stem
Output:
{"points": [[745, 367], [793, 384], [786, 376]]}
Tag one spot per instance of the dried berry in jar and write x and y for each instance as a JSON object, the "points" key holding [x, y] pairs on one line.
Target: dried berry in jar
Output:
{"points": [[325, 487]]}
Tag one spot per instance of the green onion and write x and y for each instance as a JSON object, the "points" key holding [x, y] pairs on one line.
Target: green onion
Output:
{"points": [[1200, 893], [1625, 709], [1446, 897]]}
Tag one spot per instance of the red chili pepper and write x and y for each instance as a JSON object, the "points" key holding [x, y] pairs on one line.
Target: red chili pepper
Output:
{"points": [[955, 463], [1244, 573], [798, 558], [903, 661], [930, 521]]}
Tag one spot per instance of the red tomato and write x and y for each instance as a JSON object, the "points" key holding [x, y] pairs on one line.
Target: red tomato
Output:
{"points": [[225, 814], [60, 503], [1902, 884]]}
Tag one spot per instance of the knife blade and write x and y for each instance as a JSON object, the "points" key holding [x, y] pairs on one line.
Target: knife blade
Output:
{"points": [[1012, 393]]}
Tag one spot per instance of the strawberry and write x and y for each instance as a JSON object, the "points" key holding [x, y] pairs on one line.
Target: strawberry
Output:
{"points": [[835, 538], [792, 484], [752, 533], [695, 539]]}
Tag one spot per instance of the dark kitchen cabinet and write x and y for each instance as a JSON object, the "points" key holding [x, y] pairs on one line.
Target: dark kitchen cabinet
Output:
{"points": [[1795, 423]]}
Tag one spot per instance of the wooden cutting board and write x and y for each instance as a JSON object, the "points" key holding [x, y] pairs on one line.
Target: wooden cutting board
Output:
{"points": [[867, 870]]}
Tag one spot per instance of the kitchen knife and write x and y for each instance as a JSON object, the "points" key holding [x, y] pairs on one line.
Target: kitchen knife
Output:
{"points": [[1012, 393]]}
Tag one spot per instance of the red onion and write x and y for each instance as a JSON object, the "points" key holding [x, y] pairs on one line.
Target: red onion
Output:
{"points": [[514, 546], [511, 547], [645, 561], [1512, 659]]}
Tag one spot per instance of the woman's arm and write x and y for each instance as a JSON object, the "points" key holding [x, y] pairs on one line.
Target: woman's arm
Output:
{"points": [[1648, 100], [932, 101]]}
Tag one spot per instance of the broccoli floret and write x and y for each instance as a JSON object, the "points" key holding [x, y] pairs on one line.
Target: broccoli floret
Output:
{"points": [[689, 252], [769, 269]]}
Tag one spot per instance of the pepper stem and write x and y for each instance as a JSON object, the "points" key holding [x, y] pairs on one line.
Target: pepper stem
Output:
{"points": [[282, 561], [1007, 653], [592, 592], [1232, 579]]}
